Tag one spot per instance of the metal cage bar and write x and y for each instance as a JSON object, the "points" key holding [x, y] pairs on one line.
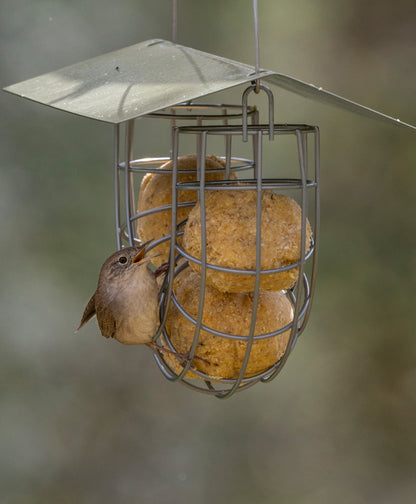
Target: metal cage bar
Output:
{"points": [[117, 184], [128, 188]]}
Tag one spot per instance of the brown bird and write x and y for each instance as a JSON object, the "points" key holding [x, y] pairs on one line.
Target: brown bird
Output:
{"points": [[126, 299]]}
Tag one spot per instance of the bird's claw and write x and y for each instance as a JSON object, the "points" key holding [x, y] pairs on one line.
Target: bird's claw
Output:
{"points": [[163, 268], [184, 358]]}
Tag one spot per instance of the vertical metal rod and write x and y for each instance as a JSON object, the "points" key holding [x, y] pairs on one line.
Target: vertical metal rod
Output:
{"points": [[172, 126], [127, 181], [244, 111], [172, 252], [305, 152], [256, 293], [306, 292], [271, 111], [198, 149], [317, 220], [295, 325], [198, 322], [174, 210], [201, 162], [255, 120], [174, 20], [227, 156], [167, 295], [117, 184], [303, 167], [133, 205], [227, 148]]}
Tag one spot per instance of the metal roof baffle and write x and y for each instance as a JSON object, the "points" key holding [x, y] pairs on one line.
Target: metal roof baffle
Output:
{"points": [[155, 74]]}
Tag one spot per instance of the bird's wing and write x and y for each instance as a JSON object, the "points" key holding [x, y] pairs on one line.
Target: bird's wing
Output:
{"points": [[107, 322], [89, 312]]}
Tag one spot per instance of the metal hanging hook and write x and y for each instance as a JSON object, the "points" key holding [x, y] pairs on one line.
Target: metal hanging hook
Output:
{"points": [[270, 96], [256, 85]]}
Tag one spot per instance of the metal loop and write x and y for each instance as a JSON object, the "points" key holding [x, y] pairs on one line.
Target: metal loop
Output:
{"points": [[254, 87]]}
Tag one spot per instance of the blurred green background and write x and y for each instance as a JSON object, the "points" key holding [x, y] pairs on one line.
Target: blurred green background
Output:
{"points": [[86, 420]]}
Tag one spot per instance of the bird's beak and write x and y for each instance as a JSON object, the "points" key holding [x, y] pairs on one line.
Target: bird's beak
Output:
{"points": [[139, 257]]}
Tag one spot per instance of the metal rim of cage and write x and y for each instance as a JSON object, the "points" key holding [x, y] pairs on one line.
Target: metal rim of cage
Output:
{"points": [[202, 112], [300, 295], [233, 164], [197, 113]]}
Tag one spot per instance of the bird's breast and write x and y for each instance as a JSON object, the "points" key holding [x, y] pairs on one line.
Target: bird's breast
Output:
{"points": [[137, 310]]}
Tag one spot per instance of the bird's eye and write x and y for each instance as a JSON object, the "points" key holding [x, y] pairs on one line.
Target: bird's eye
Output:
{"points": [[122, 260]]}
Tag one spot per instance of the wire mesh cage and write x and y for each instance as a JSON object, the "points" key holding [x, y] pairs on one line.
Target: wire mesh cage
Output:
{"points": [[194, 307]]}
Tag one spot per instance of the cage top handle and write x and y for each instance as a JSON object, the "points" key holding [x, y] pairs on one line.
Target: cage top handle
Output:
{"points": [[255, 86]]}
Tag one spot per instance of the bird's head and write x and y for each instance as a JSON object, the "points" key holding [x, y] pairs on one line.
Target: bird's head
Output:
{"points": [[124, 262]]}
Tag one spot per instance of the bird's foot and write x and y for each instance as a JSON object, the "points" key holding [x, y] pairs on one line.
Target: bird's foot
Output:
{"points": [[163, 268], [184, 358]]}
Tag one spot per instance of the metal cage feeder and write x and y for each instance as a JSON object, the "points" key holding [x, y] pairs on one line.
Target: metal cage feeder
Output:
{"points": [[303, 182], [163, 80], [300, 295]]}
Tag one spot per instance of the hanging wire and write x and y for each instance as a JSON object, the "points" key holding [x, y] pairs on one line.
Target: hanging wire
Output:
{"points": [[256, 43], [174, 20], [117, 184], [128, 178]]}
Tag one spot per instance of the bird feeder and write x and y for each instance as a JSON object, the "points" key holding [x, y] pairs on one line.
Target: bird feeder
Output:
{"points": [[165, 80]]}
